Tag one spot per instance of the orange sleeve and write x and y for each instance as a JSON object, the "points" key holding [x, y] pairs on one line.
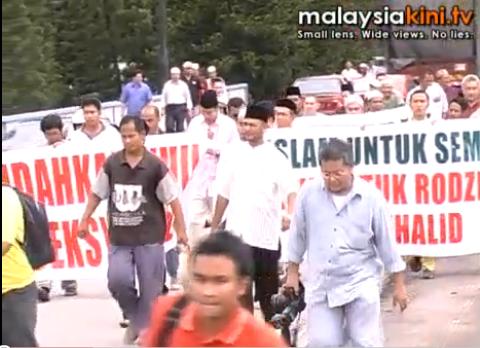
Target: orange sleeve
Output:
{"points": [[159, 310]]}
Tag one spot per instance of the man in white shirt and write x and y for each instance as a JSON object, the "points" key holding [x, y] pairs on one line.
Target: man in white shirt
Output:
{"points": [[438, 102], [350, 73], [94, 133], [310, 106], [253, 185], [52, 128], [419, 102], [178, 102], [354, 104], [151, 115], [284, 112], [214, 131]]}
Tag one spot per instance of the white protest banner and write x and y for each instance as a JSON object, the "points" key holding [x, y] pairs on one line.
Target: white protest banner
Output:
{"points": [[62, 178], [429, 174], [392, 116]]}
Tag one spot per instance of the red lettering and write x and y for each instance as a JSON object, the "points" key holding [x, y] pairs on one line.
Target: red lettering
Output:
{"points": [[94, 256], [62, 179], [399, 196], [99, 161], [454, 187], [195, 155], [402, 229], [164, 154], [443, 233], [173, 160], [5, 179], [21, 177], [431, 230], [455, 227], [56, 244], [421, 191], [469, 195], [378, 182], [74, 254], [418, 233], [438, 189], [367, 177], [104, 225], [44, 187], [184, 164], [386, 186], [478, 185], [80, 169]]}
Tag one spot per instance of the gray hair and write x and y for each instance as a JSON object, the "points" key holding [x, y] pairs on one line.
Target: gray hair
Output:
{"points": [[470, 78], [335, 150]]}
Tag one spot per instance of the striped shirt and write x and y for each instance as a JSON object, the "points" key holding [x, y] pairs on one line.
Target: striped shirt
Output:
{"points": [[255, 180]]}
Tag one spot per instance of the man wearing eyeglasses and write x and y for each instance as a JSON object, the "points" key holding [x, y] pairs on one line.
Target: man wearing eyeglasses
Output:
{"points": [[342, 224]]}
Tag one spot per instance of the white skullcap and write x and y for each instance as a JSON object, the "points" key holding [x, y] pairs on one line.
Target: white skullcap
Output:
{"points": [[175, 70], [363, 65], [187, 65], [374, 94], [470, 77], [77, 117], [211, 69], [354, 99], [195, 66], [386, 82]]}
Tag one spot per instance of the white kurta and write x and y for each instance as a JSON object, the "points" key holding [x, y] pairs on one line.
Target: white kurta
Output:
{"points": [[256, 180]]}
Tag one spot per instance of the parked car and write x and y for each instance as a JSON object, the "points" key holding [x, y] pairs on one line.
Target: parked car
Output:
{"points": [[327, 89]]}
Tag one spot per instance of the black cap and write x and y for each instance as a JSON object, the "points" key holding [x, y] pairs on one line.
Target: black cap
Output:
{"points": [[267, 105], [292, 90], [258, 112], [209, 99], [286, 103]]}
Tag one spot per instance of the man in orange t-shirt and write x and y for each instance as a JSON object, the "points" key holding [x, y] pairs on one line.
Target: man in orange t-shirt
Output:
{"points": [[213, 316]]}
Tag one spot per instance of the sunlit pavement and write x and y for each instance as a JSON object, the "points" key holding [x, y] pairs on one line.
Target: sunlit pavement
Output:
{"points": [[443, 312]]}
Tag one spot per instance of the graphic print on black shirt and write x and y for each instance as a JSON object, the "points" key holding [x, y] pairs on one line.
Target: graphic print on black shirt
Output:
{"points": [[128, 201]]}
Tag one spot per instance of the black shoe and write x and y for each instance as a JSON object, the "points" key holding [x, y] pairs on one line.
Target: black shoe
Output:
{"points": [[43, 294]]}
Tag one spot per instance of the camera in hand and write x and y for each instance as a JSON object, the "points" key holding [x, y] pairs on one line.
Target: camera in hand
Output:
{"points": [[287, 305]]}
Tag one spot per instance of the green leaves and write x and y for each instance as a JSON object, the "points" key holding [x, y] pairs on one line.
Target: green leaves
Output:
{"points": [[68, 48]]}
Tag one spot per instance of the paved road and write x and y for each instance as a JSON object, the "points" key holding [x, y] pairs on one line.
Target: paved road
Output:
{"points": [[443, 312]]}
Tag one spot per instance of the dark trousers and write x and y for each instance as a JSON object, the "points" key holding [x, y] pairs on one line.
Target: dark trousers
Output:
{"points": [[172, 262], [19, 317], [176, 115], [147, 263], [265, 279]]}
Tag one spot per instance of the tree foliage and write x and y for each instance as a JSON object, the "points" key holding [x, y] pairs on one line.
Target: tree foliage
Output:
{"points": [[82, 42], [29, 73]]}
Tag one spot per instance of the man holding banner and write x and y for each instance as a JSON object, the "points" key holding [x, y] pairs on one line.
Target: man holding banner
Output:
{"points": [[137, 185], [342, 223], [419, 102]]}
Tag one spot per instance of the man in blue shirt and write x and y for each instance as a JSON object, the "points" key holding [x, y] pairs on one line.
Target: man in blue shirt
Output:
{"points": [[341, 222], [136, 95]]}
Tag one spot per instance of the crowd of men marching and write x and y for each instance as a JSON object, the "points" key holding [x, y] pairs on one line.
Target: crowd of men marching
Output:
{"points": [[334, 229]]}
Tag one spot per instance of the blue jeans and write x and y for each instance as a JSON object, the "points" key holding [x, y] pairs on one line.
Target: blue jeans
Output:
{"points": [[147, 263]]}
